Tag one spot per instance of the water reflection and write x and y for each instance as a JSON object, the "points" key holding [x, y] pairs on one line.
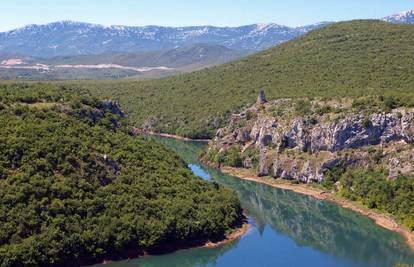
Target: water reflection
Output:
{"points": [[184, 258], [321, 225], [290, 230]]}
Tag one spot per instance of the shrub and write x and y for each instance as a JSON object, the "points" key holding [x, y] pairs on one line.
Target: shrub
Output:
{"points": [[303, 107], [366, 123]]}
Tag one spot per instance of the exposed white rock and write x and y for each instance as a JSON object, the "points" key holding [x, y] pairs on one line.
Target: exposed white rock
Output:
{"points": [[321, 141]]}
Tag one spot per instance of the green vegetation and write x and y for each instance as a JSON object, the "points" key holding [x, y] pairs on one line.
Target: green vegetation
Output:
{"points": [[373, 104], [303, 107], [229, 157], [76, 186], [373, 189], [347, 59]]}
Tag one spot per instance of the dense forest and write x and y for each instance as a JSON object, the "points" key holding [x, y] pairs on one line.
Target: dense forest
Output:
{"points": [[75, 185], [347, 59], [372, 188]]}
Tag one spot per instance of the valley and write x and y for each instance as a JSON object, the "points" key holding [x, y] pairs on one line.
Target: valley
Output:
{"points": [[354, 60], [252, 145]]}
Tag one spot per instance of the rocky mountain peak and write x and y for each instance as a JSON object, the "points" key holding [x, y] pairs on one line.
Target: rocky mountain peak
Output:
{"points": [[67, 38], [403, 17]]}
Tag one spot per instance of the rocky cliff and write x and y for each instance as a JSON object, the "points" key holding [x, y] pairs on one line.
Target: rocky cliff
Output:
{"points": [[304, 139]]}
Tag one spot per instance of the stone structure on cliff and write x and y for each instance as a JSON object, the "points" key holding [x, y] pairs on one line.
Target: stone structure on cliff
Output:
{"points": [[261, 99]]}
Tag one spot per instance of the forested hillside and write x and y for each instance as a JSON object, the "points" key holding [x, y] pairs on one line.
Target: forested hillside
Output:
{"points": [[76, 186], [344, 59]]}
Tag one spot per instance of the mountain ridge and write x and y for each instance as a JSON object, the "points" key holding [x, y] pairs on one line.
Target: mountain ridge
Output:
{"points": [[402, 17], [75, 38], [68, 37]]}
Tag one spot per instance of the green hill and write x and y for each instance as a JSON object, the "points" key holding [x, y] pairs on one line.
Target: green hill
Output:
{"points": [[345, 59], [75, 186]]}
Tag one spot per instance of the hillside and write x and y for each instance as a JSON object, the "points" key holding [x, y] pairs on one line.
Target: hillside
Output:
{"points": [[367, 154], [345, 59], [76, 187], [111, 65]]}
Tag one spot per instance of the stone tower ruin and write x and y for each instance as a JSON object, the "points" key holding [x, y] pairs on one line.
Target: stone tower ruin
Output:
{"points": [[261, 99]]}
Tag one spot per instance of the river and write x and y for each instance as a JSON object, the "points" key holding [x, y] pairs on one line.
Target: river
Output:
{"points": [[289, 229]]}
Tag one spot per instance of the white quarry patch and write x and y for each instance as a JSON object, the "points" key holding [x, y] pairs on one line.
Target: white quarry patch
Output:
{"points": [[18, 63], [39, 67], [12, 62], [113, 66], [42, 66]]}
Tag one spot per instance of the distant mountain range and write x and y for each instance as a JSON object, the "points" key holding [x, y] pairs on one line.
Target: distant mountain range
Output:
{"points": [[68, 38], [90, 51], [404, 17]]}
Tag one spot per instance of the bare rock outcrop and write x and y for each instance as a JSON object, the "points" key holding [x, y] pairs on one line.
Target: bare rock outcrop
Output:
{"points": [[113, 107], [321, 138], [263, 169]]}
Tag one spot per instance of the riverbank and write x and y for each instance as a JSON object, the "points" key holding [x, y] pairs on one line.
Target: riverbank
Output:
{"points": [[383, 220], [178, 137], [380, 219], [233, 236]]}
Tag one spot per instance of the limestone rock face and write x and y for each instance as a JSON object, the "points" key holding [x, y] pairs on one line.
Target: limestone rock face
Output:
{"points": [[357, 131], [321, 139], [307, 170], [263, 169], [248, 163], [401, 163], [113, 107], [99, 112], [351, 132]]}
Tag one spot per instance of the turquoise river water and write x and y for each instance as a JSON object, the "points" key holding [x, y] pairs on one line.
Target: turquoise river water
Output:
{"points": [[288, 229]]}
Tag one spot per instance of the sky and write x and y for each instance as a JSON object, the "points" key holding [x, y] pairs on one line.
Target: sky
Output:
{"points": [[17, 13]]}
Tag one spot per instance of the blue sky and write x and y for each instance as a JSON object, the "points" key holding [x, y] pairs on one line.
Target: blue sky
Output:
{"points": [[16, 13]]}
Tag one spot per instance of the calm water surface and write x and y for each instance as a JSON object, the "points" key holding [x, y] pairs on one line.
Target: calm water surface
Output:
{"points": [[289, 229]]}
